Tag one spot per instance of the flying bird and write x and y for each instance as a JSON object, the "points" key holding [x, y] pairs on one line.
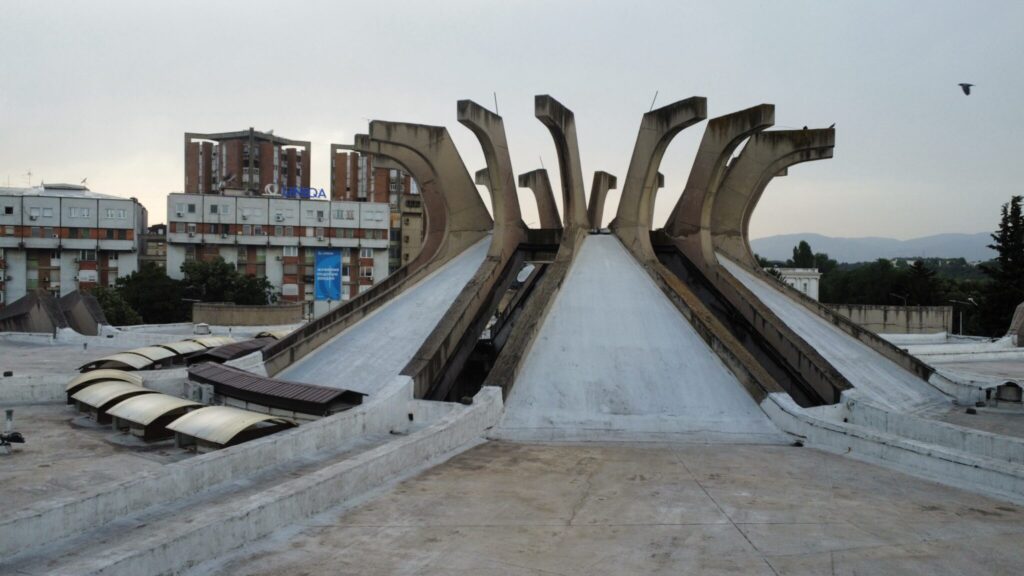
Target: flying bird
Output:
{"points": [[966, 88]]}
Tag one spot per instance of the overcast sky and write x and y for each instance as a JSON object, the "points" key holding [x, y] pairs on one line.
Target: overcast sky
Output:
{"points": [[105, 90]]}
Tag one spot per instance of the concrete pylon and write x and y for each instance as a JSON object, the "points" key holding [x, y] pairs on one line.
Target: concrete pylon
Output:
{"points": [[603, 182], [561, 123], [547, 211], [483, 178], [690, 220], [766, 155], [489, 130], [634, 217]]}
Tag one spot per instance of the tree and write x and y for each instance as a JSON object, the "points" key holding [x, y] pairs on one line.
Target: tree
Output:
{"points": [[154, 295], [1006, 289], [803, 257], [921, 286], [115, 308], [218, 281]]}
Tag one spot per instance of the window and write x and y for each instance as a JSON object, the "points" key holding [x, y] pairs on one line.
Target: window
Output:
{"points": [[225, 209], [87, 256], [289, 231], [33, 212], [110, 233], [34, 232], [47, 212], [278, 230], [257, 230], [9, 230], [309, 213], [111, 255], [291, 250], [309, 231], [247, 229], [8, 210], [243, 254], [48, 232], [320, 214], [345, 270], [179, 207], [366, 272], [319, 232], [117, 213], [191, 208], [366, 253], [213, 228], [191, 228], [213, 208]]}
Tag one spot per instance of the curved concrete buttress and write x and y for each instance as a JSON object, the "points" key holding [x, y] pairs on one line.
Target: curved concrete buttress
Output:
{"points": [[763, 158], [547, 211], [603, 182], [489, 129], [561, 123], [634, 217], [690, 219]]}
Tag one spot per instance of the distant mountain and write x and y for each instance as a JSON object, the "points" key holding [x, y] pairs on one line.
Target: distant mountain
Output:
{"points": [[973, 247]]}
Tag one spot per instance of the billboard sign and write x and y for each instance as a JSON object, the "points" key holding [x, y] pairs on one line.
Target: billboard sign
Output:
{"points": [[327, 276]]}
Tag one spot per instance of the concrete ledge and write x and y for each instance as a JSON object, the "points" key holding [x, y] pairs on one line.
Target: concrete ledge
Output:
{"points": [[56, 519], [34, 389], [1001, 480], [213, 531]]}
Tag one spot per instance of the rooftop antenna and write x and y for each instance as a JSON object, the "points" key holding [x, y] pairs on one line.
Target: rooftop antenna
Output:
{"points": [[541, 158], [495, 102], [29, 177], [653, 100]]}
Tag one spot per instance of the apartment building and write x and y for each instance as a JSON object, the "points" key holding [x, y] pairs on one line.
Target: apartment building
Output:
{"points": [[246, 160], [278, 238], [365, 177], [153, 246], [63, 237]]}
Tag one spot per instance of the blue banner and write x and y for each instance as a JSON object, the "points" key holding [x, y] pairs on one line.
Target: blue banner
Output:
{"points": [[327, 277]]}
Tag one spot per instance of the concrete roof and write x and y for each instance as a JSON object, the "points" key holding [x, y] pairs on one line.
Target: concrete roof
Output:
{"points": [[220, 424], [146, 408], [103, 393], [59, 190]]}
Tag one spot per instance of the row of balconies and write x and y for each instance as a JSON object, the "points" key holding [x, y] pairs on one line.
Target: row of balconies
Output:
{"points": [[76, 243], [227, 239]]}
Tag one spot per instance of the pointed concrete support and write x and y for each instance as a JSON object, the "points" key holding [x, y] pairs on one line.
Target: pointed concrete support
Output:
{"points": [[603, 182], [690, 220], [547, 211], [483, 178], [561, 122], [766, 155], [633, 220]]}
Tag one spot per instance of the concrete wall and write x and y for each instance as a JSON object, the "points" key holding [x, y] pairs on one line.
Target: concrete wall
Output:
{"points": [[898, 319], [227, 314]]}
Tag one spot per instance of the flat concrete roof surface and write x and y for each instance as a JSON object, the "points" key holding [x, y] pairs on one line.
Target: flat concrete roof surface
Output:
{"points": [[870, 372], [615, 359], [58, 459], [374, 350], [511, 509]]}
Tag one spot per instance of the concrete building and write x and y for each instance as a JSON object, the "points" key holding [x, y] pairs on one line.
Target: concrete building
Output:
{"points": [[277, 238], [153, 245], [410, 227], [62, 237], [247, 160], [803, 279]]}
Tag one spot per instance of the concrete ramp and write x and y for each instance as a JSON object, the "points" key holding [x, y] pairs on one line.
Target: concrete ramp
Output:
{"points": [[374, 350], [615, 360], [874, 375]]}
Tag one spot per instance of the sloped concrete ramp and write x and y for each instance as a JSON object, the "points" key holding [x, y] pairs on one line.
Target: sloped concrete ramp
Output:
{"points": [[874, 375], [373, 351], [615, 360]]}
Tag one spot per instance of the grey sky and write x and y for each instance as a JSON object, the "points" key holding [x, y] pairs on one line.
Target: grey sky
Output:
{"points": [[105, 90]]}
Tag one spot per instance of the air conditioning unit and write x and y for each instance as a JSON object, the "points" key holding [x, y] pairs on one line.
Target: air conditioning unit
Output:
{"points": [[224, 235], [33, 217], [56, 236], [319, 218], [279, 218], [179, 214], [320, 238], [244, 217], [8, 278], [191, 234], [278, 258]]}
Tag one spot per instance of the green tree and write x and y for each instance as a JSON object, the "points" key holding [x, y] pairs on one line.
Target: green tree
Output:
{"points": [[155, 295], [921, 286], [803, 257], [115, 308], [1006, 289], [218, 281]]}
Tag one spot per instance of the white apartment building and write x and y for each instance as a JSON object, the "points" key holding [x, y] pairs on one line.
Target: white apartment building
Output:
{"points": [[277, 238], [62, 237]]}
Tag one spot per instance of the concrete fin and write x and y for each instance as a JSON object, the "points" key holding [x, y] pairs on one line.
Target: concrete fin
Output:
{"points": [[561, 123], [538, 182], [603, 182]]}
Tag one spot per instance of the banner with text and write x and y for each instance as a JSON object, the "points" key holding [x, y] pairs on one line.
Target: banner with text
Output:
{"points": [[328, 275]]}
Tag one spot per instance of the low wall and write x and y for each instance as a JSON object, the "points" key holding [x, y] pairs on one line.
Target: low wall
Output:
{"points": [[898, 319], [227, 314]]}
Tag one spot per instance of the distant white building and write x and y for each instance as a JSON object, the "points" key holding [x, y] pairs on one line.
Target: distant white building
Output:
{"points": [[803, 279]]}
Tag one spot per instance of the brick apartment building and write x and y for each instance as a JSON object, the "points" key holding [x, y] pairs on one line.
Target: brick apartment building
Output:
{"points": [[364, 177], [62, 237], [246, 160]]}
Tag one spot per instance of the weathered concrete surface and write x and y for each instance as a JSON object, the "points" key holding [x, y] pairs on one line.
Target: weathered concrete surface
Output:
{"points": [[603, 182], [60, 459], [690, 220], [368, 354], [231, 314], [561, 123], [614, 359], [870, 372], [898, 319], [688, 509], [765, 156], [634, 218], [1017, 324], [539, 183]]}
